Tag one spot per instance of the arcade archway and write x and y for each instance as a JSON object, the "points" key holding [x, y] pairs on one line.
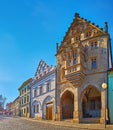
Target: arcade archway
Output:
{"points": [[67, 105], [91, 103]]}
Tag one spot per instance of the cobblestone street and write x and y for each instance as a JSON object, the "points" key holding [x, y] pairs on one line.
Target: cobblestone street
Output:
{"points": [[11, 123], [17, 123]]}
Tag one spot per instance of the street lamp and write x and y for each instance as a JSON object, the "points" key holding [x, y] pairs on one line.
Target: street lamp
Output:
{"points": [[104, 86]]}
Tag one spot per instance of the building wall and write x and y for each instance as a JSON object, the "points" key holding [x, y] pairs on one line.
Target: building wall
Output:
{"points": [[45, 97], [82, 64], [43, 92], [24, 99], [110, 95]]}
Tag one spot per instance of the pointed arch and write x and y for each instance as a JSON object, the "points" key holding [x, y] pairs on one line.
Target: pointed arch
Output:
{"points": [[91, 102]]}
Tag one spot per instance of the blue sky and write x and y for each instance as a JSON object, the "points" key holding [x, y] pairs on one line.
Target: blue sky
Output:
{"points": [[29, 30]]}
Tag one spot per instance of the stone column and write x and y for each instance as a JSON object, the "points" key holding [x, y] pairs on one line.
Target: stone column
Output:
{"points": [[77, 112], [103, 106], [58, 116]]}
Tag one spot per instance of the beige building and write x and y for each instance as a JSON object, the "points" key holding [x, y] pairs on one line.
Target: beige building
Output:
{"points": [[82, 64], [24, 98], [15, 107]]}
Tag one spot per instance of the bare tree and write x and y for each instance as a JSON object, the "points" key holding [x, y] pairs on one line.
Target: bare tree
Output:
{"points": [[2, 102]]}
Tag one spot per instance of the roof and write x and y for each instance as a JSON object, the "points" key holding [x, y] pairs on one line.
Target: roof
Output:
{"points": [[25, 83]]}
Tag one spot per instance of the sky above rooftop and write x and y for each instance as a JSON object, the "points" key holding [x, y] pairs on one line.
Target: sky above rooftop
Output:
{"points": [[30, 29]]}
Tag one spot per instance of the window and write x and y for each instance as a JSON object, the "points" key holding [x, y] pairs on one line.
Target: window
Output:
{"points": [[28, 88], [27, 109], [88, 34], [94, 45], [48, 87], [25, 90], [40, 90], [74, 62], [94, 63], [24, 99], [27, 98], [35, 93], [36, 108]]}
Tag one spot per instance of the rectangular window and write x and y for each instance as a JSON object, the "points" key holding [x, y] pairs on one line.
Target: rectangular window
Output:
{"points": [[27, 109], [37, 108], [94, 45], [27, 98], [74, 62], [40, 90], [35, 92], [24, 99], [48, 87], [34, 108], [94, 63]]}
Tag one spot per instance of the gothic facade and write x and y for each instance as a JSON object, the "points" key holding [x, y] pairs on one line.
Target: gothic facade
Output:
{"points": [[83, 59]]}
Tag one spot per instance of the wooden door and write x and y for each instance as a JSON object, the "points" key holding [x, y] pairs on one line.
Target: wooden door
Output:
{"points": [[49, 112]]}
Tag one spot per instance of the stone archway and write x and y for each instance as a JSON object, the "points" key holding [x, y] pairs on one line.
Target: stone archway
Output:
{"points": [[91, 103], [67, 105], [48, 108]]}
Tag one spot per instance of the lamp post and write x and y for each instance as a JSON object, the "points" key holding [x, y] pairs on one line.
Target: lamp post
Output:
{"points": [[104, 86]]}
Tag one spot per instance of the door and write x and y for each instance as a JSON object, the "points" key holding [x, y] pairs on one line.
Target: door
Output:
{"points": [[49, 112]]}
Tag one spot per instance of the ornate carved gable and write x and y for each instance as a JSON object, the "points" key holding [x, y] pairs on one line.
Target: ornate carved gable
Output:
{"points": [[80, 30], [42, 67]]}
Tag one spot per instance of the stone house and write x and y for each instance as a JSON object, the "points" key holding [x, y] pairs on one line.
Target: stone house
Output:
{"points": [[83, 59]]}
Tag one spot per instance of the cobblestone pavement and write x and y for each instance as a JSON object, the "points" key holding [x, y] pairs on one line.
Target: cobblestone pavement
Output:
{"points": [[13, 123], [17, 123]]}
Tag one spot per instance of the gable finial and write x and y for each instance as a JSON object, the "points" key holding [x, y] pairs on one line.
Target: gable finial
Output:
{"points": [[106, 27], [77, 15]]}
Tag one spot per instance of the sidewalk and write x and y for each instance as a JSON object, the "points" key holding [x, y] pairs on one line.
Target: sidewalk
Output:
{"points": [[74, 125]]}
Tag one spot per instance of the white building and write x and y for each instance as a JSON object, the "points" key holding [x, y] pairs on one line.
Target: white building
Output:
{"points": [[43, 92]]}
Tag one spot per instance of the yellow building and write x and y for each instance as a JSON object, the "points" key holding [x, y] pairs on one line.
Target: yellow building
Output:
{"points": [[15, 107], [24, 98], [82, 64]]}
